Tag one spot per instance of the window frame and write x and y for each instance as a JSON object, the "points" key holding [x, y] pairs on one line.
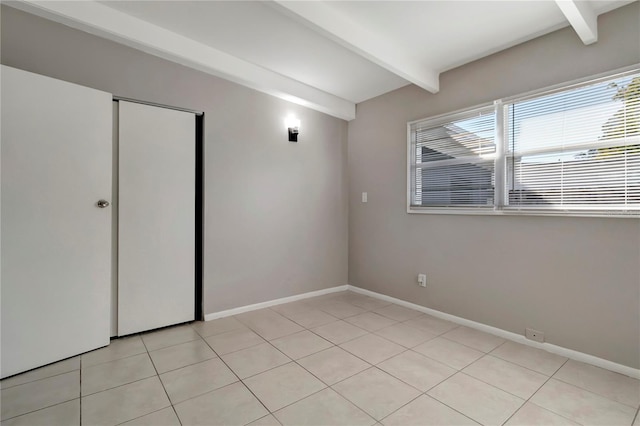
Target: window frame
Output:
{"points": [[499, 207]]}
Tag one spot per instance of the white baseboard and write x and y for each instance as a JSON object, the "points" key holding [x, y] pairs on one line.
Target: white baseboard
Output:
{"points": [[247, 308], [518, 338], [558, 350]]}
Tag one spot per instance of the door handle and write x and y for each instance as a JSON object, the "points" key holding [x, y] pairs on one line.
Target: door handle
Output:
{"points": [[102, 204]]}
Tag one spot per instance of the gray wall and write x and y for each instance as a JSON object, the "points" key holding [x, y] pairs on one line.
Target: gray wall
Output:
{"points": [[575, 279], [275, 212]]}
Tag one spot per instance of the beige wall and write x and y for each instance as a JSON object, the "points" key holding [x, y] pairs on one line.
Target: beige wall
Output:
{"points": [[575, 279], [276, 212]]}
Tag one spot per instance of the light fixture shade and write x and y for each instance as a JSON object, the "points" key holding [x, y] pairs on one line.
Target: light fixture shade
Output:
{"points": [[292, 121]]}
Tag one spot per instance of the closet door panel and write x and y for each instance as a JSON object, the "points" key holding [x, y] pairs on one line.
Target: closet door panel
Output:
{"points": [[156, 223], [56, 243]]}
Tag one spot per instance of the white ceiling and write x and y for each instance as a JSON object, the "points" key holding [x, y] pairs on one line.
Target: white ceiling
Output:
{"points": [[449, 34], [264, 36], [328, 55]]}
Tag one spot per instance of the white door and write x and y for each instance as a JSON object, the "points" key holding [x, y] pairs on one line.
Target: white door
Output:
{"points": [[56, 243], [156, 219]]}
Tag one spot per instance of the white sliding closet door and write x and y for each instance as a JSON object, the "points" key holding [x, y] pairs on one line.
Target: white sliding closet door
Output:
{"points": [[156, 223], [56, 242]]}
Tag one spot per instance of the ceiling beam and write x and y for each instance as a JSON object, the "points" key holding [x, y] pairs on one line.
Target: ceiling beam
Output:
{"points": [[582, 18], [323, 18], [103, 21]]}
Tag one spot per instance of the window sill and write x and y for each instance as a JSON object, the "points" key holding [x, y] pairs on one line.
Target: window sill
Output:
{"points": [[479, 211]]}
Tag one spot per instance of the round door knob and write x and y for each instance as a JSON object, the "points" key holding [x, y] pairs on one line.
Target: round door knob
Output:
{"points": [[102, 204]]}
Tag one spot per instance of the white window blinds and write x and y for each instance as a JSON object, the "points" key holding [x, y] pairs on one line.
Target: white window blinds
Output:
{"points": [[578, 149], [573, 150], [454, 161]]}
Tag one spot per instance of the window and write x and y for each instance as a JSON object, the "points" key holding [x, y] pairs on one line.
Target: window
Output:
{"points": [[454, 160], [572, 150]]}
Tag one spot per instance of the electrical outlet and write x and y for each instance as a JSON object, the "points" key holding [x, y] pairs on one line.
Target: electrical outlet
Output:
{"points": [[532, 334], [422, 280], [364, 197]]}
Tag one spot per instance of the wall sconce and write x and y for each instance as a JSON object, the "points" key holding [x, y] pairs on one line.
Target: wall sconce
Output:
{"points": [[293, 127]]}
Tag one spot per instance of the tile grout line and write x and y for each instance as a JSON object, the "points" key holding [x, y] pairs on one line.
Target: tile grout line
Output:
{"points": [[40, 409], [460, 371], [456, 370], [500, 389], [437, 333], [48, 406], [309, 331], [377, 421], [204, 393], [193, 326], [365, 361], [265, 416], [507, 340], [268, 369], [589, 390], [161, 383], [376, 365], [435, 399], [237, 377], [346, 378], [336, 346], [405, 346], [379, 369], [139, 417], [291, 360], [488, 384], [592, 391], [237, 350], [215, 356], [126, 383], [341, 343], [538, 390], [494, 386], [215, 390], [558, 369], [295, 402], [523, 366], [517, 396], [336, 296], [301, 366], [345, 317], [466, 345], [117, 339], [106, 390], [113, 360], [189, 365], [173, 345], [37, 380], [370, 332], [357, 406], [326, 386], [441, 362], [42, 378], [301, 325], [419, 390]]}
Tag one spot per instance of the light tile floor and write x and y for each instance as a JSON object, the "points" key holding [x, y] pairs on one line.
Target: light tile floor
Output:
{"points": [[339, 359]]}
